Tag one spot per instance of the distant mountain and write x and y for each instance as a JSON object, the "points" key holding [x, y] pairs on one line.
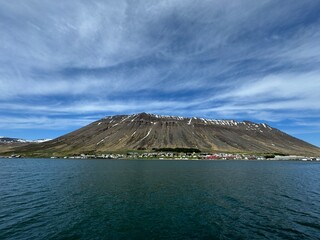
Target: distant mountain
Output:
{"points": [[8, 144], [9, 140], [148, 131]]}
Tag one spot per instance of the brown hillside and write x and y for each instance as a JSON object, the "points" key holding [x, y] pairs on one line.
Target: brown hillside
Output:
{"points": [[147, 131]]}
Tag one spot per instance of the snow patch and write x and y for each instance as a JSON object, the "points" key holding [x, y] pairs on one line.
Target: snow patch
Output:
{"points": [[133, 118], [41, 140], [102, 140], [125, 118], [146, 135]]}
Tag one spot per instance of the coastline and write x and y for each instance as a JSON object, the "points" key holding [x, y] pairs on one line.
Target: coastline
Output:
{"points": [[165, 159]]}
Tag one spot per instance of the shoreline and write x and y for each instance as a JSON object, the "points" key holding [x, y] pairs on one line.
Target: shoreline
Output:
{"points": [[158, 159]]}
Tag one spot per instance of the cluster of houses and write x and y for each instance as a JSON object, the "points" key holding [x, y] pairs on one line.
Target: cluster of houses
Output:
{"points": [[182, 156], [189, 156]]}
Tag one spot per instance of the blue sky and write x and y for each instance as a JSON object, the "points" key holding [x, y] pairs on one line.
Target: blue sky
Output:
{"points": [[64, 64]]}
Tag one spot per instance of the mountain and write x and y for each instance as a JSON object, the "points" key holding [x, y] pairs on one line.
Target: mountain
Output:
{"points": [[9, 140], [8, 144], [147, 131]]}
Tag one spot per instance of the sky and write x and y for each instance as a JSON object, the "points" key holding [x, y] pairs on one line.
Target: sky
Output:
{"points": [[64, 64]]}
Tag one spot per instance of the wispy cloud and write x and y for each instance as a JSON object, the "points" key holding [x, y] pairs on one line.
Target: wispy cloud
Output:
{"points": [[42, 123], [232, 59], [284, 91]]}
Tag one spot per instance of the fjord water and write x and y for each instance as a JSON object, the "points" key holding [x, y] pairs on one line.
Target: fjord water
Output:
{"points": [[128, 199]]}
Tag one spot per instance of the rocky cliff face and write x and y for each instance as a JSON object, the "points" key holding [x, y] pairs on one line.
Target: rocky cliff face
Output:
{"points": [[147, 131]]}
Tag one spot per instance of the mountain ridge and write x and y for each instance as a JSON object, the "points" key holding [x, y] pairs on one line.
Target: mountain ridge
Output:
{"points": [[10, 140], [145, 131]]}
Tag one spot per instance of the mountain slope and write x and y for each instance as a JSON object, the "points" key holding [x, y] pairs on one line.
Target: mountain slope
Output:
{"points": [[8, 144], [147, 131]]}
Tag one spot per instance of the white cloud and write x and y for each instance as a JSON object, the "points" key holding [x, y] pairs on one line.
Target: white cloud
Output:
{"points": [[41, 122], [91, 107], [239, 58], [277, 91]]}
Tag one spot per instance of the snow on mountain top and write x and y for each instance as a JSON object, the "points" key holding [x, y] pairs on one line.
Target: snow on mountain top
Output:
{"points": [[190, 120], [19, 140], [41, 140]]}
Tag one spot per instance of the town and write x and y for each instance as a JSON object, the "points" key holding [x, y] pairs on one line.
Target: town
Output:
{"points": [[190, 156], [179, 156]]}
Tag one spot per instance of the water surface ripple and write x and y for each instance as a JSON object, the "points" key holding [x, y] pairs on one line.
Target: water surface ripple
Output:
{"points": [[118, 199]]}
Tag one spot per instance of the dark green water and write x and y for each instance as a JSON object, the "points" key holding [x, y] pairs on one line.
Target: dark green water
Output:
{"points": [[106, 199]]}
